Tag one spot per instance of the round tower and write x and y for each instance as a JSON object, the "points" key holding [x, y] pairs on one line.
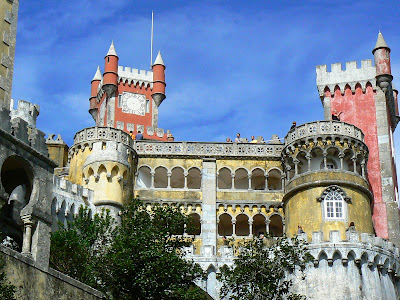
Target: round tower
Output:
{"points": [[102, 159], [159, 80], [93, 94], [381, 54], [326, 187], [110, 81]]}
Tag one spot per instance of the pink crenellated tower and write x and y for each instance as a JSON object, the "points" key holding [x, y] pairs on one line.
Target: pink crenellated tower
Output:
{"points": [[367, 99], [128, 99]]}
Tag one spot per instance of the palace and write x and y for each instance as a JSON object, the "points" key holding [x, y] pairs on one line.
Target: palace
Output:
{"points": [[335, 180]]}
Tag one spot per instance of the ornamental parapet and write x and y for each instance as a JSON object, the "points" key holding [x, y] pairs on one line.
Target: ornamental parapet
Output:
{"points": [[207, 149], [322, 128], [325, 146]]}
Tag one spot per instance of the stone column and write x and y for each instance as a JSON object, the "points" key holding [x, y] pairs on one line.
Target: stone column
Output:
{"points": [[233, 181], [209, 191], [341, 156], [251, 228], [296, 167], [249, 177], [152, 179], [27, 238], [266, 182], [308, 156], [283, 181], [267, 221], [185, 174], [169, 179], [233, 227], [325, 166]]}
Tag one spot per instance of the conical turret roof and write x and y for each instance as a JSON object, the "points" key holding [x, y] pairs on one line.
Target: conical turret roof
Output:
{"points": [[112, 51], [97, 75], [159, 60], [380, 42]]}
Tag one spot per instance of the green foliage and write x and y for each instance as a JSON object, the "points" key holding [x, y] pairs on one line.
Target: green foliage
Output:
{"points": [[260, 270], [77, 248], [147, 257], [140, 258], [7, 290]]}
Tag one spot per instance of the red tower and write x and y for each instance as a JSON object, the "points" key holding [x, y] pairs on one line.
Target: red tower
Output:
{"points": [[128, 99], [366, 99]]}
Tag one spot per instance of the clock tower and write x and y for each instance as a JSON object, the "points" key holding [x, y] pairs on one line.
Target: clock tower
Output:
{"points": [[128, 99]]}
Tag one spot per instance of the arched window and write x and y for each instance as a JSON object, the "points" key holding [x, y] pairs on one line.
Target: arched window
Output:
{"points": [[334, 203], [276, 225], [257, 179], [241, 179], [194, 226], [224, 178], [259, 225], [177, 178], [274, 180], [225, 227], [242, 225], [160, 178], [194, 179], [144, 177]]}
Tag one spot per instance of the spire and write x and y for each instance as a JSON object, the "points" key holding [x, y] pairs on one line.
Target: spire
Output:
{"points": [[97, 75], [112, 51], [159, 60], [380, 42]]}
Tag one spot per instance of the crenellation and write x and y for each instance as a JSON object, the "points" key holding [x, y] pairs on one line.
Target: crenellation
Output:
{"points": [[351, 75], [135, 76]]}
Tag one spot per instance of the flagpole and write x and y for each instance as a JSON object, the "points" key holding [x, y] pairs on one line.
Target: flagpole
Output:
{"points": [[151, 47]]}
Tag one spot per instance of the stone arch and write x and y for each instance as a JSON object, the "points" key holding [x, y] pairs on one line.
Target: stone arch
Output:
{"points": [[211, 282], [332, 159], [359, 161], [276, 225], [302, 166], [274, 179], [225, 227], [258, 179], [242, 225], [114, 172], [161, 177], [177, 177], [195, 223], [317, 157], [194, 178], [143, 179], [347, 160], [259, 226], [101, 169], [225, 178], [241, 179]]}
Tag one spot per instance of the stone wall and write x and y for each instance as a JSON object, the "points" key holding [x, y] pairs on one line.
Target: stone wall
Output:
{"points": [[33, 283]]}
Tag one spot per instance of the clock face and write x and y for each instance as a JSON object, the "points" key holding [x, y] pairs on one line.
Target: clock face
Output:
{"points": [[133, 103]]}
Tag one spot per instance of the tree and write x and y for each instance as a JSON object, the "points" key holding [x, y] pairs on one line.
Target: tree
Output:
{"points": [[77, 248], [147, 256], [7, 290], [261, 268], [140, 258]]}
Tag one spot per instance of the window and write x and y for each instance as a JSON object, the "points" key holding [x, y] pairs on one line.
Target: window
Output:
{"points": [[334, 205], [334, 201], [119, 100], [147, 105]]}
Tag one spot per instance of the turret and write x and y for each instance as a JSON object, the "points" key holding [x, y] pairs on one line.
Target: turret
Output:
{"points": [[159, 80], [381, 54], [110, 72], [93, 94]]}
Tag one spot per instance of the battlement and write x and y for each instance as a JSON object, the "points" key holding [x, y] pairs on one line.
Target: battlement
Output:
{"points": [[68, 197], [351, 75], [26, 111], [51, 141], [135, 76]]}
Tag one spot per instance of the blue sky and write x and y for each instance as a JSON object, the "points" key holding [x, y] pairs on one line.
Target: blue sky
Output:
{"points": [[232, 66]]}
